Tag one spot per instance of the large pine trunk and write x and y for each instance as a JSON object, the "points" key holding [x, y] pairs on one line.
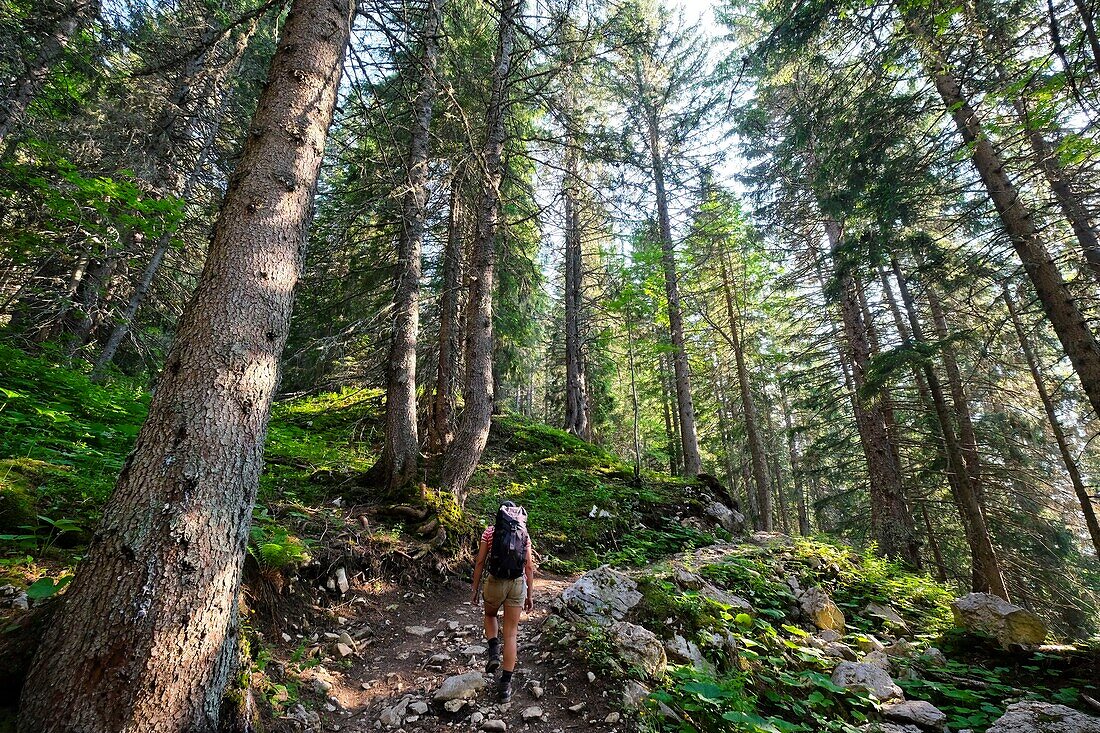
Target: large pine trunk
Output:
{"points": [[1077, 339], [145, 637], [689, 440], [1079, 488], [401, 445], [987, 577], [576, 399], [473, 431], [441, 424], [72, 16], [891, 523]]}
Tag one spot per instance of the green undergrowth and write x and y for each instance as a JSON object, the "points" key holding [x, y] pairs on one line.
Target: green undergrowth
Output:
{"points": [[767, 674], [584, 506]]}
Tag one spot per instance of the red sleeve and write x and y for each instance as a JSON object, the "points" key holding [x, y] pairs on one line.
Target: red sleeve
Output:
{"points": [[487, 535]]}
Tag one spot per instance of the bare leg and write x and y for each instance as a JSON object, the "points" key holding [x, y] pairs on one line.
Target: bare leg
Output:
{"points": [[511, 631], [491, 622]]}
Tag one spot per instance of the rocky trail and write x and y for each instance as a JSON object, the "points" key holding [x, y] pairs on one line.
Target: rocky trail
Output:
{"points": [[417, 664]]}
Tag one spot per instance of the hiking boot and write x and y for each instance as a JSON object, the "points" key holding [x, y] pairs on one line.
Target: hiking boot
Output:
{"points": [[505, 691], [493, 663]]}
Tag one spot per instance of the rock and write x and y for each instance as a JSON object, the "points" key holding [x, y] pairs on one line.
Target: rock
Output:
{"points": [[886, 613], [394, 715], [476, 717], [497, 725], [536, 692], [591, 676], [612, 718], [634, 694], [473, 650], [534, 712], [827, 635], [639, 647], [306, 720], [576, 708], [601, 595], [683, 577], [869, 643], [453, 706], [713, 593], [321, 686], [995, 616], [21, 602], [877, 659], [889, 727], [867, 677], [728, 519], [342, 580], [840, 651], [681, 650], [934, 657], [418, 708], [921, 713], [344, 650], [345, 638], [440, 658], [1032, 716], [418, 630], [460, 687], [820, 609]]}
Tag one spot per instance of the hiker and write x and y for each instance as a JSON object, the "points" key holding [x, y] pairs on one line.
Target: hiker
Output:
{"points": [[505, 553]]}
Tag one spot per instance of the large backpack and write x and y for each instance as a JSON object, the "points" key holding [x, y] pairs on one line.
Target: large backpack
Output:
{"points": [[508, 555]]}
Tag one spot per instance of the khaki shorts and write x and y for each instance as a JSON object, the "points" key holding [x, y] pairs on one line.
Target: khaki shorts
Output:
{"points": [[497, 591]]}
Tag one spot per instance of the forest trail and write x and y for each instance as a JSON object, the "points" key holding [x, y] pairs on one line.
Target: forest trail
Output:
{"points": [[397, 670]]}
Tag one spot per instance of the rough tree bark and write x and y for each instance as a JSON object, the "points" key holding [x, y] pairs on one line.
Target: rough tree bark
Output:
{"points": [[987, 576], [71, 17], [441, 430], [891, 523], [145, 635], [397, 466], [1073, 331], [473, 431], [1079, 488], [576, 399]]}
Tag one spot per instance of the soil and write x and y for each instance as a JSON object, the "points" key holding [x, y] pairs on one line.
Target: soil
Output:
{"points": [[391, 663]]}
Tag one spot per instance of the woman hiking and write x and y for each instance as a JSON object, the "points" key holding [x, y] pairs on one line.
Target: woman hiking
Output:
{"points": [[505, 552]]}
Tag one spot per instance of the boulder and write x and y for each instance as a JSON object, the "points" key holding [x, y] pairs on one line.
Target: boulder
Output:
{"points": [[1031, 716], [839, 650], [920, 713], [877, 659], [602, 595], [681, 650], [461, 687], [857, 675], [638, 647], [728, 519], [820, 609], [886, 612], [995, 616]]}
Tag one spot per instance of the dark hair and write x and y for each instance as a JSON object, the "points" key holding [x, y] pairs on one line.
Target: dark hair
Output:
{"points": [[508, 502]]}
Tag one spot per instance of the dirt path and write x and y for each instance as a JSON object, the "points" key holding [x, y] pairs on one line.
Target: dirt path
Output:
{"points": [[420, 639]]}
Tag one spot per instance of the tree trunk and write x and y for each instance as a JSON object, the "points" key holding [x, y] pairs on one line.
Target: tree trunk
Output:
{"points": [[398, 463], [891, 523], [689, 439], [450, 308], [473, 432], [987, 576], [757, 451], [74, 15], [1079, 488], [1065, 316], [145, 635], [576, 399], [672, 432], [937, 556], [796, 465]]}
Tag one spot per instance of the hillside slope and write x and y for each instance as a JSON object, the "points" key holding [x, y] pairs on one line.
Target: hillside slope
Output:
{"points": [[335, 582]]}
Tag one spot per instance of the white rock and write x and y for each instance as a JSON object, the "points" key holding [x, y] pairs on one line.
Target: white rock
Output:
{"points": [[344, 650], [473, 650], [461, 686], [476, 717], [534, 712], [600, 595], [536, 692], [393, 716], [612, 718], [634, 694], [418, 630], [728, 519], [1044, 717], [497, 726], [919, 712], [418, 708], [867, 677], [453, 706], [1009, 623], [639, 647], [342, 580]]}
